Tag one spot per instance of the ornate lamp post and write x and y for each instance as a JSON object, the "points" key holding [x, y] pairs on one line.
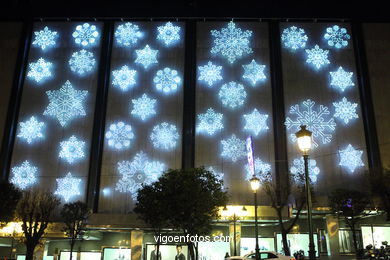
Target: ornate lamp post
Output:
{"points": [[255, 185], [234, 214], [304, 140]]}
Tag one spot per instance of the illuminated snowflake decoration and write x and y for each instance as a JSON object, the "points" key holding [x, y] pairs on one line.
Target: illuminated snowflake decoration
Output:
{"points": [[72, 150], [119, 136], [209, 122], [24, 175], [85, 34], [298, 171], [317, 57], [164, 136], [318, 121], [210, 73], [232, 95], [66, 103], [39, 70], [233, 148], [146, 56], [45, 38], [167, 80], [168, 34], [255, 122], [345, 110], [68, 187], [31, 130], [124, 78], [351, 158], [231, 42], [337, 37], [82, 62], [144, 107], [341, 79], [141, 170], [127, 34], [218, 175], [254, 72], [294, 38], [261, 169]]}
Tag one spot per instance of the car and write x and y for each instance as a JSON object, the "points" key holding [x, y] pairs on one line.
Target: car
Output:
{"points": [[263, 255]]}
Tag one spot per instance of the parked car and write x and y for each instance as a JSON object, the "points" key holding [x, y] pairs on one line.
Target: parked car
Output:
{"points": [[263, 255]]}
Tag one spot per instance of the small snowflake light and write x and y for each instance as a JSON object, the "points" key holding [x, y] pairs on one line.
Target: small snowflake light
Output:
{"points": [[218, 175], [39, 70], [144, 107], [255, 122], [167, 80], [337, 37], [298, 171], [31, 130], [233, 148], [317, 57], [85, 34], [341, 79], [68, 187], [168, 34], [45, 38], [164, 136], [72, 150], [127, 34], [82, 62], [124, 78], [24, 175], [262, 170], [254, 72], [294, 38], [231, 42], [351, 158], [66, 103], [146, 56], [119, 136], [345, 110], [209, 122], [210, 73], [232, 95]]}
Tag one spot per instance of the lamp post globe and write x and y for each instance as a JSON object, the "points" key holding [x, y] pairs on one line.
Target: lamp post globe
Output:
{"points": [[304, 139]]}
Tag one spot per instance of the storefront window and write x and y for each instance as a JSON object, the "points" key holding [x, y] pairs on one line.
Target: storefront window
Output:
{"points": [[375, 236], [297, 242], [346, 241]]}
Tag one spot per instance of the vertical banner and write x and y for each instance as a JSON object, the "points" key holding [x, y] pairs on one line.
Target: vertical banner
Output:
{"points": [[249, 154]]}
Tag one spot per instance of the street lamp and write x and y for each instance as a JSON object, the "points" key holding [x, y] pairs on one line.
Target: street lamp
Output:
{"points": [[304, 140], [255, 185], [234, 213]]}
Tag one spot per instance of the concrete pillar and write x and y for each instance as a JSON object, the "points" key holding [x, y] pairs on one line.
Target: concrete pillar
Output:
{"points": [[238, 237], [136, 243], [332, 225]]}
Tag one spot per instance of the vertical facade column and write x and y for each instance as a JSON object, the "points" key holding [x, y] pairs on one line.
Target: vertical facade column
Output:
{"points": [[100, 118], [15, 100], [373, 152]]}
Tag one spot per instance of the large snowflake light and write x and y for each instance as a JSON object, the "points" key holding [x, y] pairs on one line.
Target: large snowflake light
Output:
{"points": [[24, 175], [164, 136], [231, 42], [255, 122], [72, 150], [298, 171], [317, 57], [146, 56], [127, 34], [341, 79], [68, 187], [66, 103], [45, 38], [262, 170], [124, 78], [337, 37], [39, 70], [319, 122], [82, 62], [144, 107], [210, 73], [233, 148], [168, 34], [119, 135], [294, 38], [209, 122], [254, 72], [31, 130], [85, 34], [167, 80], [351, 158], [141, 170], [345, 110], [232, 94]]}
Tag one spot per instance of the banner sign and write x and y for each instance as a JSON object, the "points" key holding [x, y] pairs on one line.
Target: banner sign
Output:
{"points": [[249, 154]]}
